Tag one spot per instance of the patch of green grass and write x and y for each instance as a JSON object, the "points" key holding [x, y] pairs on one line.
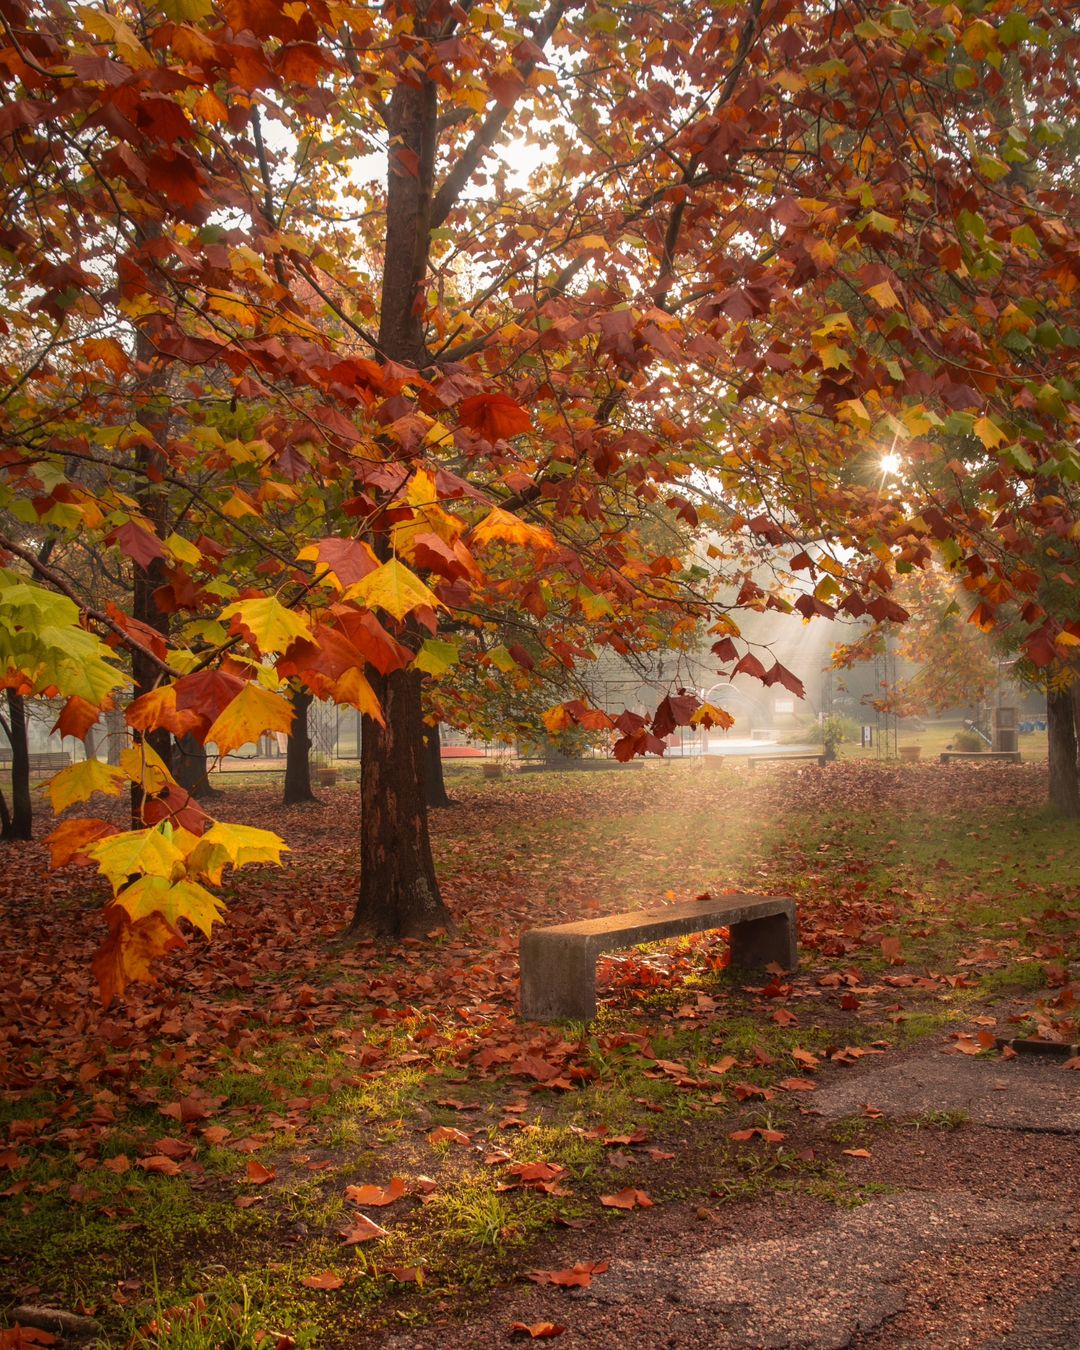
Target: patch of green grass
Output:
{"points": [[1020, 977], [941, 1120], [227, 1316]]}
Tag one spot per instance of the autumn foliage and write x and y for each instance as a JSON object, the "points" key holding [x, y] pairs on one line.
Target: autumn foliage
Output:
{"points": [[645, 294]]}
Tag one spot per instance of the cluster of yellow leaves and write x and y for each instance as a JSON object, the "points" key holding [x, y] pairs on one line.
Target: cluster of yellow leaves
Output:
{"points": [[157, 873]]}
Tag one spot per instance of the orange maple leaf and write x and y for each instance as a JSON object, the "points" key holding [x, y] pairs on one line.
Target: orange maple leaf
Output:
{"points": [[494, 416], [127, 953]]}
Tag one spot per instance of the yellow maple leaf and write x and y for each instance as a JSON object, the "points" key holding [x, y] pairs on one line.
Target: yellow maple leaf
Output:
{"points": [[884, 295], [510, 529], [80, 781], [251, 713], [267, 623], [989, 433], [149, 852], [237, 845], [184, 899], [143, 765], [394, 588]]}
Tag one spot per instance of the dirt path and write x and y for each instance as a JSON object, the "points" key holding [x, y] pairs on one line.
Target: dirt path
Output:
{"points": [[972, 1240]]}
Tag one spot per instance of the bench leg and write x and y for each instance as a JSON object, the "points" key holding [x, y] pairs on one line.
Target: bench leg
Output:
{"points": [[756, 943], [558, 979]]}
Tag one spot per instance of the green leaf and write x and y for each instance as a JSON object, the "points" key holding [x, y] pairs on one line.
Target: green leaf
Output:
{"points": [[436, 657], [186, 11]]}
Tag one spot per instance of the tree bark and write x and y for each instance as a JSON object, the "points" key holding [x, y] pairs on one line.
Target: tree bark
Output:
{"points": [[298, 754], [1061, 733], [399, 893], [190, 767], [17, 823], [146, 580], [435, 793], [1074, 690]]}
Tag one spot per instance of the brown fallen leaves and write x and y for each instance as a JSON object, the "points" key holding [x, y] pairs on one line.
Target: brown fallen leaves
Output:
{"points": [[579, 1276], [362, 1229], [536, 1330], [376, 1195], [327, 1280], [630, 1198]]}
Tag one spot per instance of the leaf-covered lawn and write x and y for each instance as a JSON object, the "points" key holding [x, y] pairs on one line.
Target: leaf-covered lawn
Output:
{"points": [[318, 1137]]}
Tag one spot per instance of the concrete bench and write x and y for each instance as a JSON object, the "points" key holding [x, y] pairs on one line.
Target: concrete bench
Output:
{"points": [[558, 964], [751, 760], [1006, 756]]}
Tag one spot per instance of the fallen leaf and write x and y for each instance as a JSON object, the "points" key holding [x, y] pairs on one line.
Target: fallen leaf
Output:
{"points": [[858, 1152], [537, 1330], [376, 1195], [159, 1163], [627, 1199], [579, 1276], [327, 1280], [257, 1174], [362, 1230], [447, 1134], [407, 1274]]}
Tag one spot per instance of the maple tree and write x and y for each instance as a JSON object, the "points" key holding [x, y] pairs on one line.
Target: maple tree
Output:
{"points": [[627, 261]]}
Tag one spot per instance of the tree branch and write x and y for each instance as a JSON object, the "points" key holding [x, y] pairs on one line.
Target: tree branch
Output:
{"points": [[487, 134]]}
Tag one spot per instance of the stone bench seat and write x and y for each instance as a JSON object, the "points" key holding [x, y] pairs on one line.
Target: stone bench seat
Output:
{"points": [[1005, 756], [558, 964]]}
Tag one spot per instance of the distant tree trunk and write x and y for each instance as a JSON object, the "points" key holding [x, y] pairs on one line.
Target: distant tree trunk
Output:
{"points": [[298, 754], [115, 735], [190, 767], [90, 743], [399, 892], [146, 580], [1074, 689], [1061, 734], [434, 783], [17, 823]]}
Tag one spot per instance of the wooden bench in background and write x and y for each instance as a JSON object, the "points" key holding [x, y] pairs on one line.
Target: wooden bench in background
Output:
{"points": [[558, 964], [44, 761], [1006, 756]]}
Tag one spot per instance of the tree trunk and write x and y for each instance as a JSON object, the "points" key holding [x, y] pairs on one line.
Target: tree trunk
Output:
{"points": [[146, 580], [1074, 690], [435, 793], [298, 754], [190, 767], [1064, 778], [18, 822], [399, 893], [115, 736]]}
